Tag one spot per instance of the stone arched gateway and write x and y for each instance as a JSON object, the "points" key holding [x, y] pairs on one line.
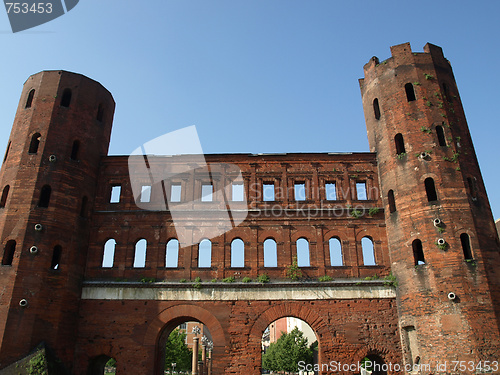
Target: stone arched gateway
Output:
{"points": [[316, 320], [168, 319]]}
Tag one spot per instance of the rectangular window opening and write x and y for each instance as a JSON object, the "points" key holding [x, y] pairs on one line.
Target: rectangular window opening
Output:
{"points": [[207, 193], [115, 193], [361, 191], [300, 191], [175, 193], [237, 193], [268, 192], [330, 191], [146, 194]]}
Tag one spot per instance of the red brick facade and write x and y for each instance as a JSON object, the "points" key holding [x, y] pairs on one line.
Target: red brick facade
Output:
{"points": [[58, 287]]}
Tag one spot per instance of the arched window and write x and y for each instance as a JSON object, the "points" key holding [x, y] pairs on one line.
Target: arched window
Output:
{"points": [[270, 253], [66, 98], [465, 239], [440, 135], [5, 194], [172, 254], [7, 152], [75, 149], [418, 252], [45, 196], [35, 142], [335, 252], [100, 112], [303, 253], [376, 109], [205, 254], [108, 257], [368, 251], [237, 253], [410, 92], [30, 99], [140, 253], [8, 253], [400, 144], [430, 189], [391, 201], [56, 257], [83, 207]]}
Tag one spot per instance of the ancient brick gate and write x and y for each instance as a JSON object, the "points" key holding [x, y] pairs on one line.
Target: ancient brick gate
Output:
{"points": [[97, 264], [350, 321]]}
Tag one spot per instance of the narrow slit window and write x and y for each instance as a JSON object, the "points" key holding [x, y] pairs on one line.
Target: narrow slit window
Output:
{"points": [[172, 254], [270, 253], [237, 193], [175, 193], [5, 194], [368, 251], [56, 257], [335, 252], [440, 135], [35, 142], [391, 201], [207, 193], [83, 207], [472, 187], [418, 252], [140, 253], [303, 253], [75, 150], [205, 254], [400, 144], [446, 92], [465, 240], [29, 100], [108, 256], [361, 191], [376, 109], [8, 253], [45, 196], [300, 191], [410, 92], [7, 152], [66, 98], [115, 193], [268, 192], [145, 194], [237, 253], [330, 191], [430, 189], [100, 112]]}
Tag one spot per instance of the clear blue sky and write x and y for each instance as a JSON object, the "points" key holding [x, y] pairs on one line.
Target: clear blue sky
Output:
{"points": [[256, 75]]}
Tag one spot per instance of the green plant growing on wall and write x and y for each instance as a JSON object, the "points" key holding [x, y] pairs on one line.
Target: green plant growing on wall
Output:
{"points": [[325, 278], [373, 211], [428, 76], [443, 246], [38, 365], [425, 130], [246, 279], [390, 280], [428, 103], [401, 155], [293, 271], [229, 279], [356, 213], [197, 283], [263, 278]]}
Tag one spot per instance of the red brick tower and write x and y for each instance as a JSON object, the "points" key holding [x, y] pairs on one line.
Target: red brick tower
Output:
{"points": [[442, 241], [61, 130]]}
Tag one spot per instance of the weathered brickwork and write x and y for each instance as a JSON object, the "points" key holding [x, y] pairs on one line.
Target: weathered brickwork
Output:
{"points": [[74, 273]]}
